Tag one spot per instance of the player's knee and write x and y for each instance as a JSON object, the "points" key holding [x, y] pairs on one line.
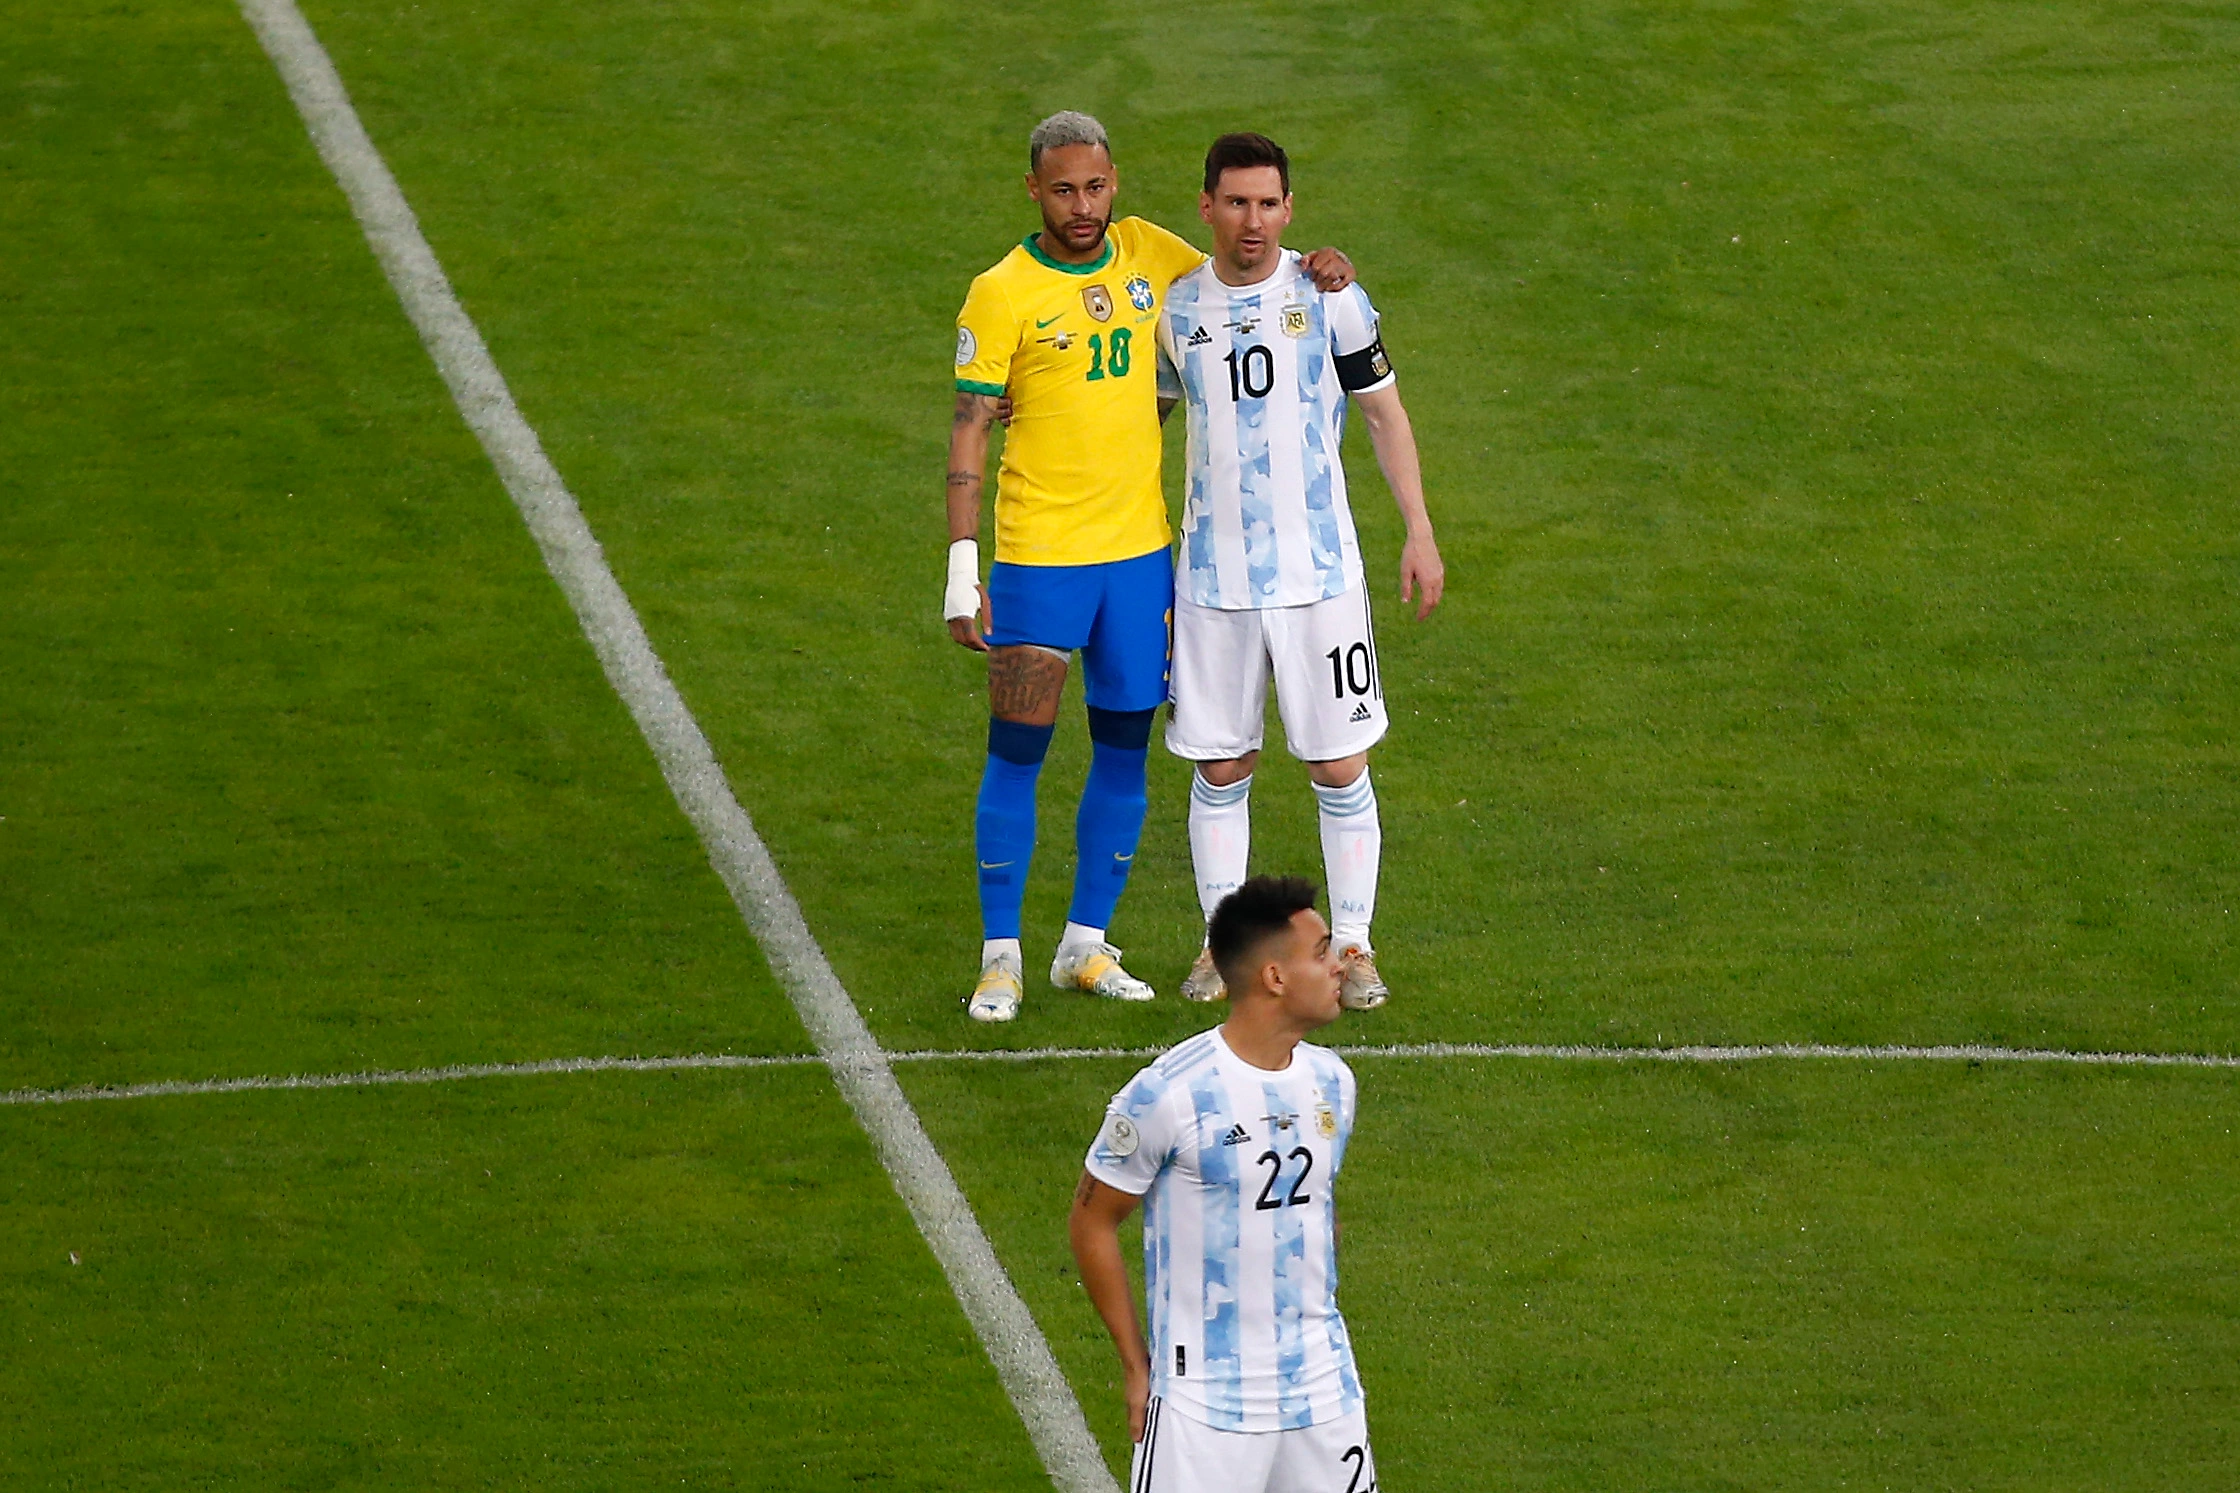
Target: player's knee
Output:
{"points": [[1226, 773], [1014, 742], [1128, 730]]}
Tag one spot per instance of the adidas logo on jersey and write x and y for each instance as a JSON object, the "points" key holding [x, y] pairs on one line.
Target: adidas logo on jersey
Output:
{"points": [[1237, 1136], [1199, 338], [1360, 712]]}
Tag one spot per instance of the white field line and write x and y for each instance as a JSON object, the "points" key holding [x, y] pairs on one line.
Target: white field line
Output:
{"points": [[1015, 1344], [379, 1077], [1959, 1052], [1810, 1051]]}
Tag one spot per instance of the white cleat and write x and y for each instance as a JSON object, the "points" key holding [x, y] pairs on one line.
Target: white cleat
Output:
{"points": [[1360, 987], [1095, 967], [1002, 986], [1203, 983]]}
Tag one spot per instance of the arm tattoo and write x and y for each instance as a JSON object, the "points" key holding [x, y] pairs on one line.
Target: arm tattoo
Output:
{"points": [[1086, 1191], [965, 479], [1024, 682], [974, 409]]}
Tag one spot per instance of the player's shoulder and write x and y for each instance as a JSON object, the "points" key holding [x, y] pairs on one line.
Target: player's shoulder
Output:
{"points": [[1193, 285], [1141, 235], [1324, 1063], [1352, 299], [1015, 266], [1167, 1074]]}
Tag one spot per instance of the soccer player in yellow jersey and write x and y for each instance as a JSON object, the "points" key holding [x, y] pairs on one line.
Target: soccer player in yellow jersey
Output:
{"points": [[1064, 326]]}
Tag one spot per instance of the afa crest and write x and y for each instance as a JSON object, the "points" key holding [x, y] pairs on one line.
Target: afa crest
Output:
{"points": [[1099, 302], [1325, 1121], [1294, 321], [1139, 292]]}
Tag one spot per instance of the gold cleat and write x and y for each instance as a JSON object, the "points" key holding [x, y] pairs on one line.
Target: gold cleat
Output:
{"points": [[1360, 987], [1204, 983]]}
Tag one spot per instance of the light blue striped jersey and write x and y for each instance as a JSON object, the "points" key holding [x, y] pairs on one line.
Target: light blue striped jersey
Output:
{"points": [[1264, 520], [1236, 1167]]}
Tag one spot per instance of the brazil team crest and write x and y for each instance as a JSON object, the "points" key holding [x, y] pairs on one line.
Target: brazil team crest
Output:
{"points": [[1294, 321], [1099, 302], [1139, 292]]}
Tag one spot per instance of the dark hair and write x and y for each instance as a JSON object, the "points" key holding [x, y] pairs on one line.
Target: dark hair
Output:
{"points": [[1237, 152], [1248, 917]]}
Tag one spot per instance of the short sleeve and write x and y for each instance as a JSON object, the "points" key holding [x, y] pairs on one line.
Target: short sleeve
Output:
{"points": [[1356, 346], [1169, 376], [1167, 256], [987, 336], [1138, 1137]]}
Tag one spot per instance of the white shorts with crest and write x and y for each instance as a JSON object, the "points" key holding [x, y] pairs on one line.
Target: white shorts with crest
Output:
{"points": [[1181, 1455], [1323, 656]]}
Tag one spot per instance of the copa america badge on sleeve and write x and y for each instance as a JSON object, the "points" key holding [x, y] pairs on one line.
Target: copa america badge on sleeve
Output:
{"points": [[1119, 1136]]}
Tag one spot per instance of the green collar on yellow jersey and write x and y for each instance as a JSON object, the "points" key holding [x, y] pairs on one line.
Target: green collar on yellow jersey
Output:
{"points": [[1061, 266]]}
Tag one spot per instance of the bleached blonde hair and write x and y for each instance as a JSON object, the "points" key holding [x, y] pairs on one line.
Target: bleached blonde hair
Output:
{"points": [[1066, 127]]}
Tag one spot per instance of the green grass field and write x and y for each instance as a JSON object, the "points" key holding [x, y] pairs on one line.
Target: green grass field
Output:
{"points": [[1827, 414]]}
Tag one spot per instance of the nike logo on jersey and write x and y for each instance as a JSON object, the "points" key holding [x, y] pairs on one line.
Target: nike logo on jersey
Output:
{"points": [[1038, 326], [993, 865], [1237, 1136], [1360, 712], [1199, 338]]}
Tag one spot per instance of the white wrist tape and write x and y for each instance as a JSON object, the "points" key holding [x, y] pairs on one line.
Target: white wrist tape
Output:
{"points": [[962, 598]]}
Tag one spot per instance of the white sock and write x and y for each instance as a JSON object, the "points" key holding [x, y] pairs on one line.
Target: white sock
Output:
{"points": [[1352, 844], [1077, 934], [991, 947], [1220, 838]]}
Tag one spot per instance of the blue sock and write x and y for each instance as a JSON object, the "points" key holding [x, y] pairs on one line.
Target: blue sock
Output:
{"points": [[1112, 807], [1003, 830]]}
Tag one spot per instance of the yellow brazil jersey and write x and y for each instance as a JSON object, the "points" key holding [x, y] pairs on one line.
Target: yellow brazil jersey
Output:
{"points": [[1075, 346]]}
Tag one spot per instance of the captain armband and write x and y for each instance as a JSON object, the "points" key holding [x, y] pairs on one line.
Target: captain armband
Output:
{"points": [[1364, 369]]}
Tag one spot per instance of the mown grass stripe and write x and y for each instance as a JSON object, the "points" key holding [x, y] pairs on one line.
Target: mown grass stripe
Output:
{"points": [[1015, 1344]]}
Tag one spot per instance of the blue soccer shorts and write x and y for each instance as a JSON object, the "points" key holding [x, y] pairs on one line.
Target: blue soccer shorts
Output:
{"points": [[1116, 614]]}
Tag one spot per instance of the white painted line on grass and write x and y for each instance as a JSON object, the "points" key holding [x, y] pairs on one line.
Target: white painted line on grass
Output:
{"points": [[1694, 1053], [373, 1078], [1022, 1358], [1961, 1052], [378, 1077]]}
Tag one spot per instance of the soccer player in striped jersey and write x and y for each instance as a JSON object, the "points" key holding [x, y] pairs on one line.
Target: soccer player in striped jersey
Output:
{"points": [[1232, 1141], [1270, 574], [1081, 560]]}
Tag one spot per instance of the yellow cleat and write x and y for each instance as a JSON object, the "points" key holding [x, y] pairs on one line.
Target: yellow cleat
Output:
{"points": [[1095, 967], [1002, 986]]}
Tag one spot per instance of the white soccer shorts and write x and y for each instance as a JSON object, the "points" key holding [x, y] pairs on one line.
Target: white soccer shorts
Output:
{"points": [[1328, 690], [1181, 1455]]}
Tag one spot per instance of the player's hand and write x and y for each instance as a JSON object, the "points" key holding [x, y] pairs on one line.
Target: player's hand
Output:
{"points": [[1330, 269], [969, 628], [1003, 411], [1421, 567], [1139, 1398]]}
